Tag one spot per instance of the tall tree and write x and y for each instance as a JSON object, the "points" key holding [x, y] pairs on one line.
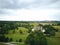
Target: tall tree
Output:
{"points": [[36, 38]]}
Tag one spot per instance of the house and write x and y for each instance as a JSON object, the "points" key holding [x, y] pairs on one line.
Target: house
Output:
{"points": [[38, 28]]}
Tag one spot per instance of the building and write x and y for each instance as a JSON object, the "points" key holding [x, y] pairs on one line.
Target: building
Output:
{"points": [[38, 28]]}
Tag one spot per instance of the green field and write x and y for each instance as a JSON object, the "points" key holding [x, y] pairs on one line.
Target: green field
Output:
{"points": [[16, 35], [51, 40]]}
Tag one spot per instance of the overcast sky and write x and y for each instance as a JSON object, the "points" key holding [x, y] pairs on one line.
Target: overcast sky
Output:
{"points": [[29, 10]]}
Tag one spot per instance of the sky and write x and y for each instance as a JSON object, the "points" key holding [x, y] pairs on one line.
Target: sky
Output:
{"points": [[29, 10]]}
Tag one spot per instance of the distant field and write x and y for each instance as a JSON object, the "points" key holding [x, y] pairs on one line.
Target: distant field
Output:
{"points": [[57, 27], [34, 24], [47, 23]]}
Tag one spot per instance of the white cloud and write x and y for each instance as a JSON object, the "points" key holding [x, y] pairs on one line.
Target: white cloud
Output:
{"points": [[32, 15], [7, 12]]}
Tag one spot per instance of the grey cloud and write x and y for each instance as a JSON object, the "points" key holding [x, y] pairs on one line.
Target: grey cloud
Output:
{"points": [[7, 4], [18, 4], [6, 11], [55, 4], [2, 11], [12, 4]]}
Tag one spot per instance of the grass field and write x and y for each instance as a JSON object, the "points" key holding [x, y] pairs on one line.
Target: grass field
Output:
{"points": [[57, 27], [16, 35], [56, 39], [53, 41]]}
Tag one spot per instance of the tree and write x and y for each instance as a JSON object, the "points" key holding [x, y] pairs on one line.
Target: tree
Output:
{"points": [[7, 39], [20, 40], [50, 31], [3, 38], [21, 32], [36, 38], [13, 31], [10, 39], [5, 26]]}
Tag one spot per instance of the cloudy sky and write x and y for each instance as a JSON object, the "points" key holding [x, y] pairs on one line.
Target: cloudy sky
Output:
{"points": [[29, 10]]}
